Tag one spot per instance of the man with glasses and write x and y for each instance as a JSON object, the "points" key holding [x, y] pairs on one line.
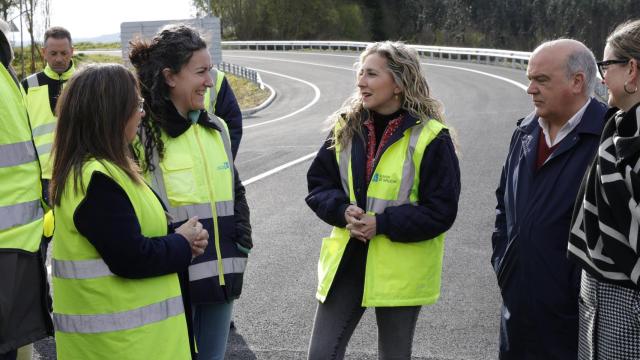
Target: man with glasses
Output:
{"points": [[549, 152]]}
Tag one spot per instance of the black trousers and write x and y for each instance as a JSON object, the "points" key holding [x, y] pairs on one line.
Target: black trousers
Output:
{"points": [[338, 316]]}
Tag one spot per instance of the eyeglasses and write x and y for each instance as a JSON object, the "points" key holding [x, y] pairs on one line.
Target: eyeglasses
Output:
{"points": [[141, 105], [603, 65]]}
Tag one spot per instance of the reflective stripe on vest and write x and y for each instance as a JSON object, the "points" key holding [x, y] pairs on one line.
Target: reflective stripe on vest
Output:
{"points": [[91, 324], [17, 154], [32, 80], [43, 124], [41, 116], [44, 149], [21, 212], [397, 273], [43, 129], [211, 96], [377, 205], [209, 269], [80, 269]]}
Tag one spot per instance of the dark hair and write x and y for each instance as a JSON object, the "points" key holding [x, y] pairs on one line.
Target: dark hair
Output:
{"points": [[57, 32], [171, 48], [93, 111]]}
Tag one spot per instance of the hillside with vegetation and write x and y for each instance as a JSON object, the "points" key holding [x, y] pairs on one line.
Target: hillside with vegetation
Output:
{"points": [[503, 24]]}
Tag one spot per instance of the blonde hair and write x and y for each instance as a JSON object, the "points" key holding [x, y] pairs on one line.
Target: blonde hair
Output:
{"points": [[404, 65]]}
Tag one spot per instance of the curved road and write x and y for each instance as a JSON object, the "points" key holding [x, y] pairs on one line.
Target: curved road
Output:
{"points": [[274, 316]]}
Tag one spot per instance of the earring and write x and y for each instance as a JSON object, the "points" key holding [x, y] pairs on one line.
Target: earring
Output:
{"points": [[627, 91], [396, 96]]}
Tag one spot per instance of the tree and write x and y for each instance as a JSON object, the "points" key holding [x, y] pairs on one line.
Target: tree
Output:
{"points": [[6, 7], [29, 14]]}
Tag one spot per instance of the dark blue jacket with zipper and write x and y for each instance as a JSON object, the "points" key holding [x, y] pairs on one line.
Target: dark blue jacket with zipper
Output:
{"points": [[539, 285]]}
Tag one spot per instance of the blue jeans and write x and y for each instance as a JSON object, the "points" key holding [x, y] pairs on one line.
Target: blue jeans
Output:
{"points": [[211, 329]]}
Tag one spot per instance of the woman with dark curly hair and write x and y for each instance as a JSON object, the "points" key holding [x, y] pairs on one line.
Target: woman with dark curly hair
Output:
{"points": [[188, 156]]}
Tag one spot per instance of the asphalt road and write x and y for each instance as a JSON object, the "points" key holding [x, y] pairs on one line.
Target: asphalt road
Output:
{"points": [[274, 316]]}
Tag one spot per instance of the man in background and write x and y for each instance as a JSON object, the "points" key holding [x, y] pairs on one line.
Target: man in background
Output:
{"points": [[43, 89], [550, 150]]}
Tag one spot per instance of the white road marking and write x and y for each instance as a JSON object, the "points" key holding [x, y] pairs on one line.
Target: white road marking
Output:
{"points": [[513, 82], [308, 156], [279, 168], [315, 98]]}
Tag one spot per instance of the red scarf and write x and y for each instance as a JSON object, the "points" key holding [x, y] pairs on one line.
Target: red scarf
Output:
{"points": [[372, 154]]}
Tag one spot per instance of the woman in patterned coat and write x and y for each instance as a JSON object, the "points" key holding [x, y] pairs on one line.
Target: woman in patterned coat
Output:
{"points": [[606, 219]]}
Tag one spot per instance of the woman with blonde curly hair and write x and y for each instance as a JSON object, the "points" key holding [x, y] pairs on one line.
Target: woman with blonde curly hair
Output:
{"points": [[388, 180]]}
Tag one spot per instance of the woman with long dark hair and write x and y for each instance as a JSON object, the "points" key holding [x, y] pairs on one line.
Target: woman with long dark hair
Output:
{"points": [[188, 155], [115, 284]]}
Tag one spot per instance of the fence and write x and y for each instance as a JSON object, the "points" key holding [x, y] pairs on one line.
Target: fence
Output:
{"points": [[517, 59], [241, 71], [514, 59]]}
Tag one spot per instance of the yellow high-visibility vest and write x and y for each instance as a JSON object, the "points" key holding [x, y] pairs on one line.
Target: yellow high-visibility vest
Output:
{"points": [[98, 314], [210, 102], [196, 178], [21, 213], [397, 273], [43, 121]]}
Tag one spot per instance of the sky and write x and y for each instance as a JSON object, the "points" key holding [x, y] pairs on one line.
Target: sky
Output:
{"points": [[91, 18]]}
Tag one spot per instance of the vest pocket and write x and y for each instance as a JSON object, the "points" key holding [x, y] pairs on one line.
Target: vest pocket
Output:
{"points": [[179, 178]]}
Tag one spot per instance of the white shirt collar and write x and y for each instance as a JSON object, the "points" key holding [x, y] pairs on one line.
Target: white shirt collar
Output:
{"points": [[566, 129]]}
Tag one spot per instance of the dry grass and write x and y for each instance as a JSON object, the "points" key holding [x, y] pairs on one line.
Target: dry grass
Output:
{"points": [[249, 95]]}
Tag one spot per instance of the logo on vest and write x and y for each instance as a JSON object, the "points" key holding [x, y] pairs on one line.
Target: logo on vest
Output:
{"points": [[383, 178], [224, 166]]}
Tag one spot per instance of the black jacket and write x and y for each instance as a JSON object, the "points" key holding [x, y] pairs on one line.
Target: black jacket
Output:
{"points": [[227, 109], [438, 192]]}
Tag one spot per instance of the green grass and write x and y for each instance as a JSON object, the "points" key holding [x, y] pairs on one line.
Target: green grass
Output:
{"points": [[96, 46], [83, 59], [249, 95]]}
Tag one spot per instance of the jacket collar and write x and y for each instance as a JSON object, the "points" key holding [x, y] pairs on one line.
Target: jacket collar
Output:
{"points": [[408, 121], [64, 76], [590, 124], [586, 126], [175, 125]]}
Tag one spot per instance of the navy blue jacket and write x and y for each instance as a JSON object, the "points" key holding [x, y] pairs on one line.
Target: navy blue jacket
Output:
{"points": [[438, 191], [227, 109], [539, 285]]}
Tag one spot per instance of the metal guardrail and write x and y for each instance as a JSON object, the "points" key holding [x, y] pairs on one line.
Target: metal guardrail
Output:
{"points": [[516, 59], [241, 71]]}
